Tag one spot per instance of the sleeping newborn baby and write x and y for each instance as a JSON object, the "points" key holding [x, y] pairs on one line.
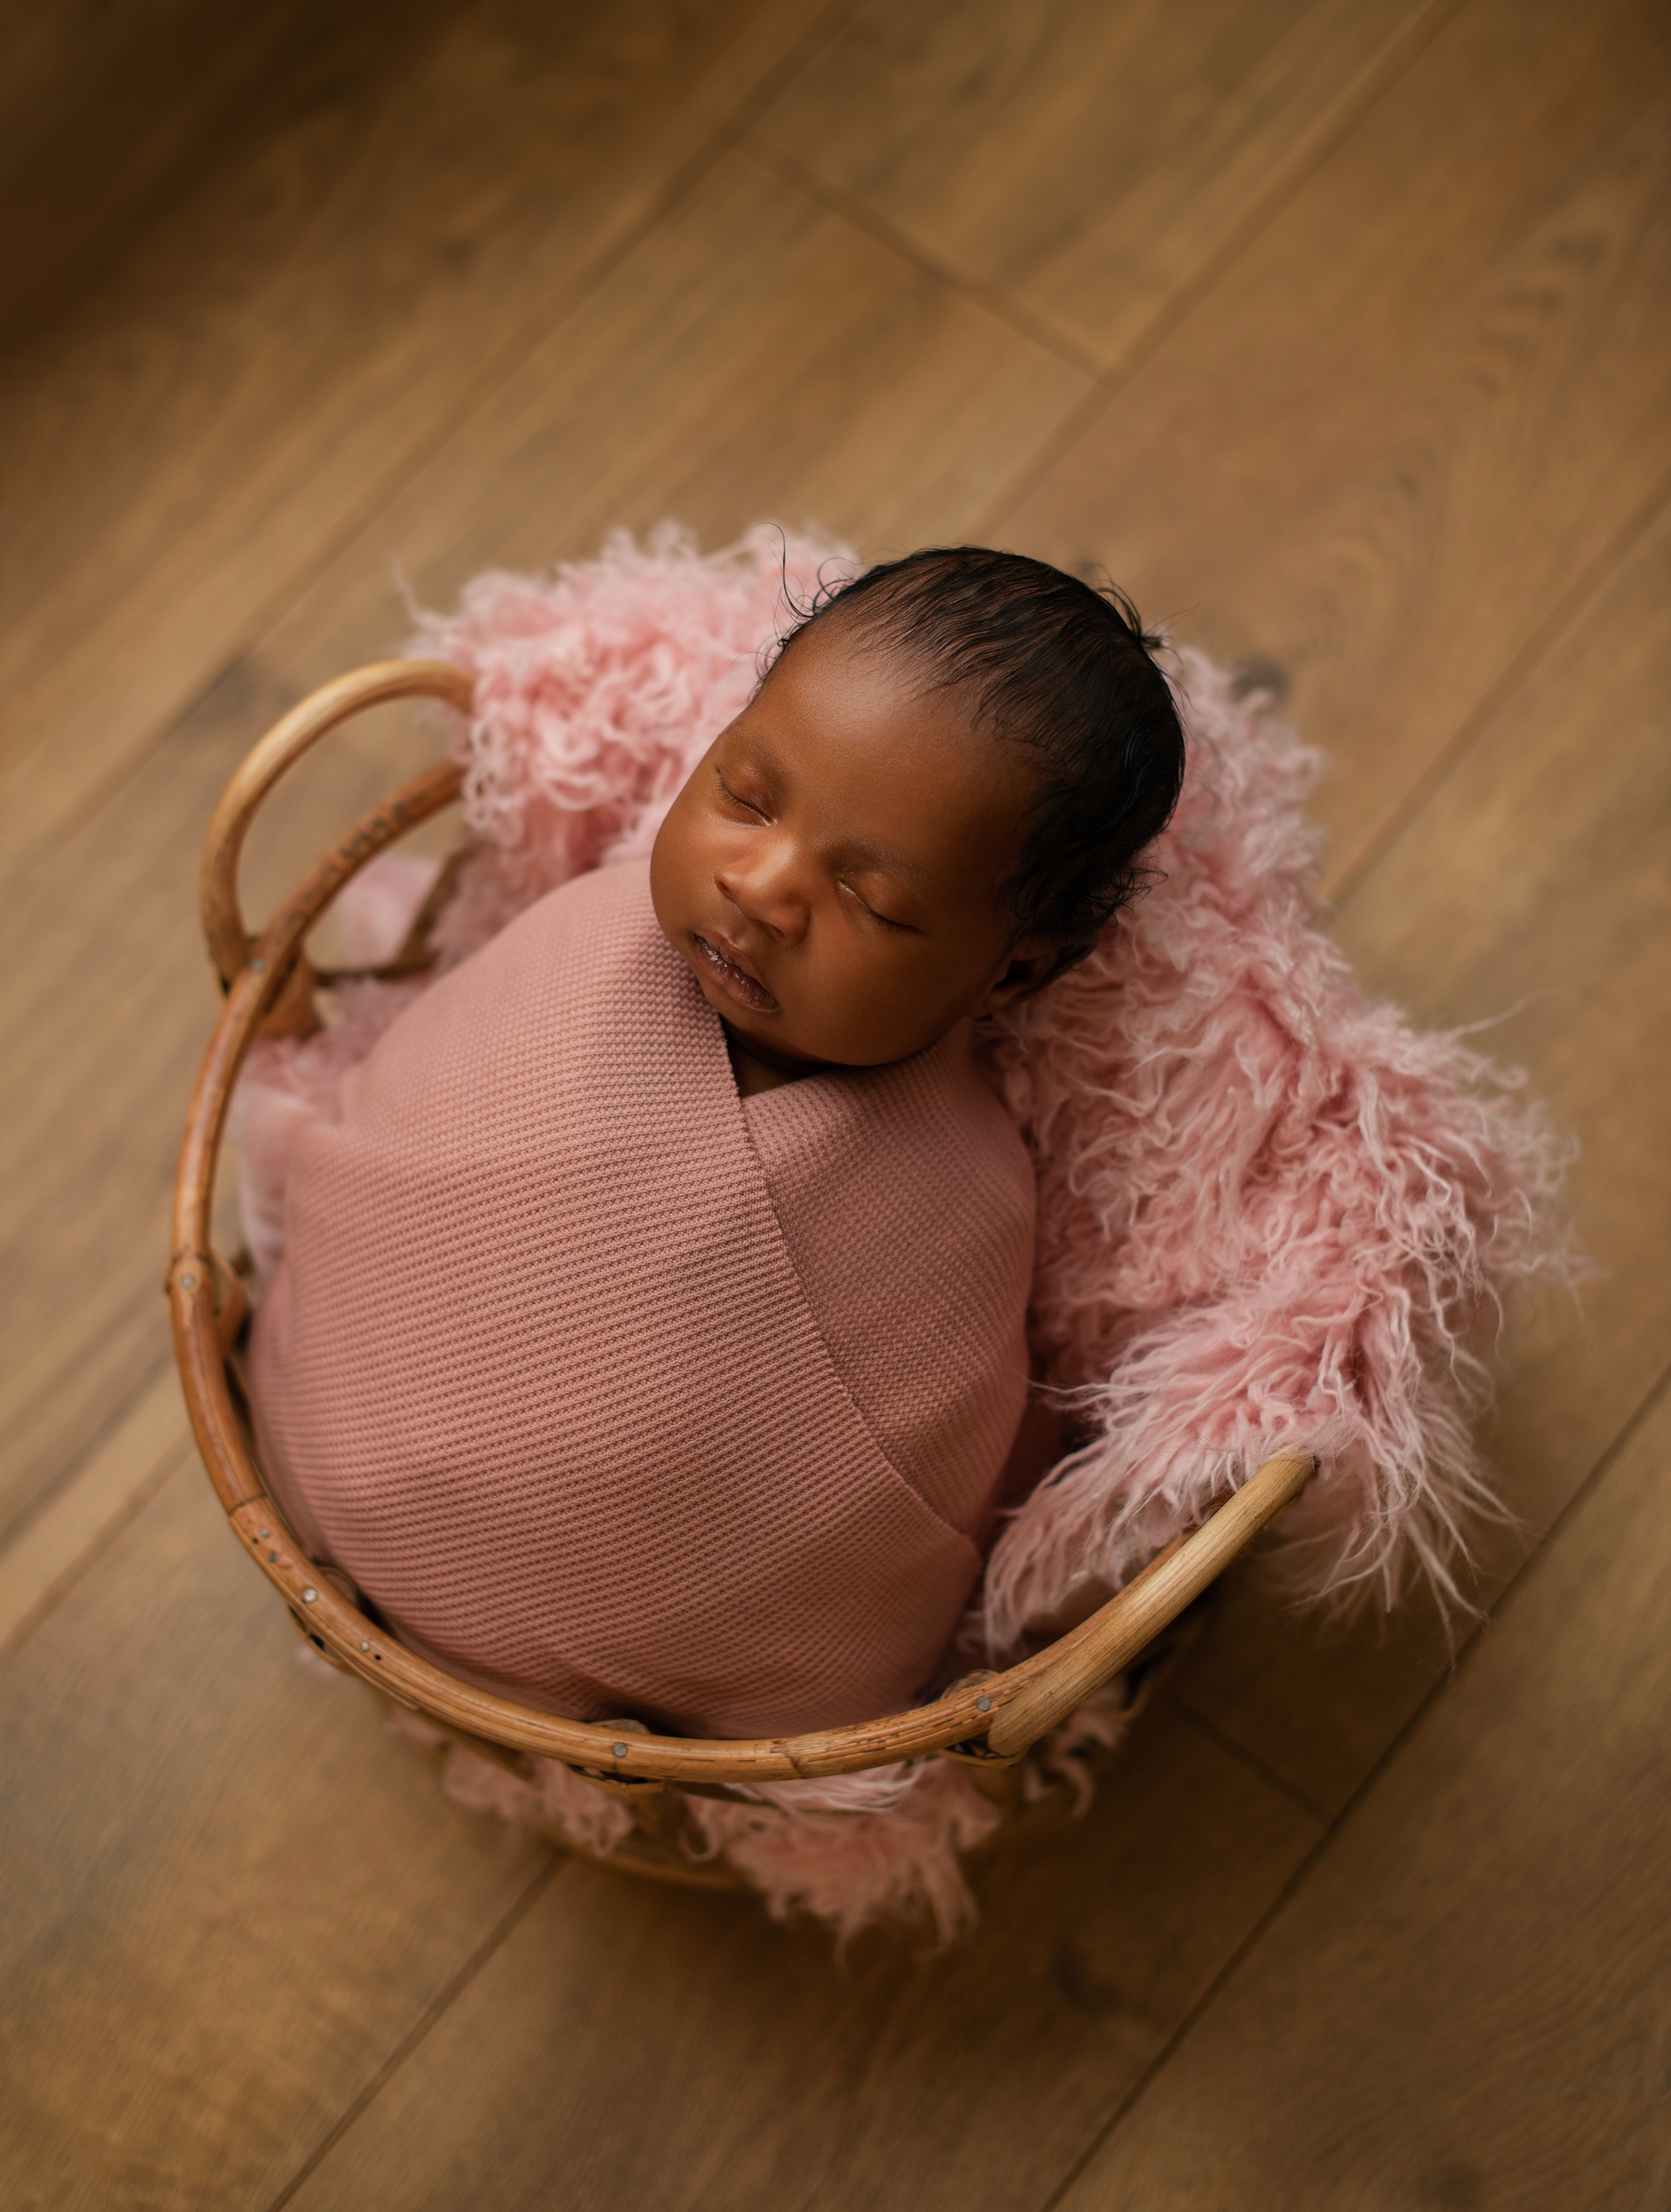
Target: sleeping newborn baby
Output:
{"points": [[649, 1335]]}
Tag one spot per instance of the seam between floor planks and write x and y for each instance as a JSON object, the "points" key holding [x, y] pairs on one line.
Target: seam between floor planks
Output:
{"points": [[1205, 1726], [1379, 80], [61, 823], [421, 2029], [102, 1437], [1626, 1430], [848, 208], [1588, 586]]}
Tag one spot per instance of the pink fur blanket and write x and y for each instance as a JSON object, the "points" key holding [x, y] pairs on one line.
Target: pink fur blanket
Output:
{"points": [[1269, 1212]]}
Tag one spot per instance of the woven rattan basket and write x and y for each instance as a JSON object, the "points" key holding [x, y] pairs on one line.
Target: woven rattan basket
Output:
{"points": [[988, 1722]]}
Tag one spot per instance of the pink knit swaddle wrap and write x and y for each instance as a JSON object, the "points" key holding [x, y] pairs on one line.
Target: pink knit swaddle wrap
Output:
{"points": [[616, 1392]]}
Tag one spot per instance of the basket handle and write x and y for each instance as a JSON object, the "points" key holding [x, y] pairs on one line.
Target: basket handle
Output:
{"points": [[230, 942], [1096, 1652]]}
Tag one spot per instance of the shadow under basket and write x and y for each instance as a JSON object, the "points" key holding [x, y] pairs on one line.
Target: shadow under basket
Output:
{"points": [[986, 1722]]}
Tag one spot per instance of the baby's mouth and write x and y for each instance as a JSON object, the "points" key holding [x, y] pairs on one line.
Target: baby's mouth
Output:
{"points": [[735, 979]]}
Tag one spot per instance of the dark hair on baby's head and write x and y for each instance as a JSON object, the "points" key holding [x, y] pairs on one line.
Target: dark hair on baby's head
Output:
{"points": [[1056, 665]]}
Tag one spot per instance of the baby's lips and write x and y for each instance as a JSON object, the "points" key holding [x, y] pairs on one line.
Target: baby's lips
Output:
{"points": [[735, 954], [733, 976]]}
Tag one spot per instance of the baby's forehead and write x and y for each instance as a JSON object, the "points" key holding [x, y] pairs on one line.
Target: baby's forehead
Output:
{"points": [[855, 676], [860, 650]]}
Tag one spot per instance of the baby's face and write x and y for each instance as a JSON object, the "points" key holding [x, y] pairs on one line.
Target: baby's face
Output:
{"points": [[830, 870]]}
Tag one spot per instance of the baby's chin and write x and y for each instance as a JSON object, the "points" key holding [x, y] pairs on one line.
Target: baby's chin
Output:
{"points": [[798, 1048], [760, 1043], [776, 1041]]}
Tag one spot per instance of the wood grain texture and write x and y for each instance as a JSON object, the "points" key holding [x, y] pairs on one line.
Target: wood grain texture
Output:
{"points": [[1469, 2003], [755, 356], [180, 457], [111, 118], [229, 1893], [633, 2046], [149, 1441], [1420, 408], [1088, 164], [1532, 884]]}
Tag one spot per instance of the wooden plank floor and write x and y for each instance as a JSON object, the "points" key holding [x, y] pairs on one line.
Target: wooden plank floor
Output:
{"points": [[1338, 329]]}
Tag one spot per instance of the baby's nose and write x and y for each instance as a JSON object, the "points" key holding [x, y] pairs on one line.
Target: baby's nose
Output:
{"points": [[769, 890]]}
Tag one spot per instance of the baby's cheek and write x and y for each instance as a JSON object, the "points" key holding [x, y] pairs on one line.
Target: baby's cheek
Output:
{"points": [[868, 1008], [671, 866]]}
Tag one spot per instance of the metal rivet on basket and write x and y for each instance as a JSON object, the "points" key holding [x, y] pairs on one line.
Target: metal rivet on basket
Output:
{"points": [[265, 1534], [309, 1595], [619, 1749], [365, 1647], [258, 967], [984, 1705], [273, 1556], [188, 1282]]}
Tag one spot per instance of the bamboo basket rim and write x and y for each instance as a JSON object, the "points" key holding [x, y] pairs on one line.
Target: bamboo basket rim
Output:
{"points": [[987, 1720]]}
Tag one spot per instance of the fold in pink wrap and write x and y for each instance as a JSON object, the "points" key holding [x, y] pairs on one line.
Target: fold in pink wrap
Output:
{"points": [[619, 1393]]}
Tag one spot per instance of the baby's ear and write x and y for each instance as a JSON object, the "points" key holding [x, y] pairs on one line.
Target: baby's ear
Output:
{"points": [[1031, 964]]}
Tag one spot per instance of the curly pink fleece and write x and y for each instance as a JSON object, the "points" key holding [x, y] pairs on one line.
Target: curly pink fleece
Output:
{"points": [[1270, 1212]]}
